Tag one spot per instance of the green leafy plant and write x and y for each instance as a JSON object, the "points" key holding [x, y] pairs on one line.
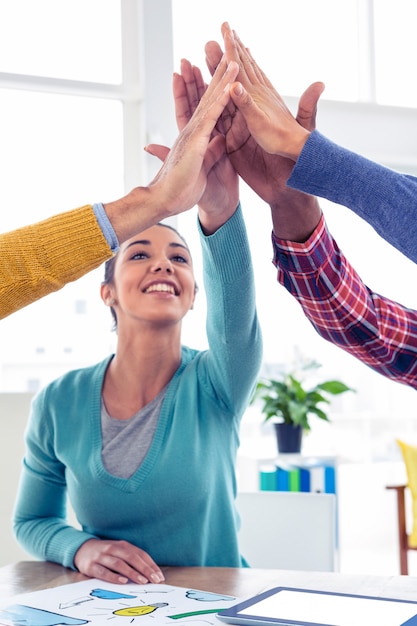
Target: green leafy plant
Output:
{"points": [[288, 400]]}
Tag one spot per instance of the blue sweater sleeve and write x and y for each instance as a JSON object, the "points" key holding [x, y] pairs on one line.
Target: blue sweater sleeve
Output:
{"points": [[233, 331], [39, 520], [386, 199]]}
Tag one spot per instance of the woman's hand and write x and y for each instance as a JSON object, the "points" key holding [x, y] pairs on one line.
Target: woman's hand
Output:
{"points": [[116, 562], [221, 194], [183, 178]]}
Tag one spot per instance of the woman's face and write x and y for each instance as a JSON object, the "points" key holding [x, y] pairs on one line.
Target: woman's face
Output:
{"points": [[153, 278]]}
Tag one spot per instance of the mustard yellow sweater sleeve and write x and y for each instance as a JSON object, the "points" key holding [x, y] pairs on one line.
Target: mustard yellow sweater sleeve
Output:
{"points": [[38, 259]]}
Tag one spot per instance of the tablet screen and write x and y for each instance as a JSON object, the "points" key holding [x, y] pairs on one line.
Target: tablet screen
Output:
{"points": [[316, 608]]}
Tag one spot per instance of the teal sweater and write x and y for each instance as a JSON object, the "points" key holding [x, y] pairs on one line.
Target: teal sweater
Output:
{"points": [[179, 504]]}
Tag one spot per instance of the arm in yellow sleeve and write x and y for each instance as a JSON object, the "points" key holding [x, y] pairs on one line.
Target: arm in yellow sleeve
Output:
{"points": [[41, 258]]}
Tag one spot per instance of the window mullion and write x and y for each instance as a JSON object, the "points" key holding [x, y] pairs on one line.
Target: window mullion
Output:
{"points": [[366, 55], [133, 70]]}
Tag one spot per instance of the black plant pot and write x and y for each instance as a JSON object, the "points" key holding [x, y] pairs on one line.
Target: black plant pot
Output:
{"points": [[289, 437]]}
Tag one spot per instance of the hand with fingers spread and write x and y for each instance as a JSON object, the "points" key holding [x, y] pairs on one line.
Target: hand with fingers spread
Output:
{"points": [[182, 179], [294, 214], [267, 116], [116, 562], [218, 177], [325, 169]]}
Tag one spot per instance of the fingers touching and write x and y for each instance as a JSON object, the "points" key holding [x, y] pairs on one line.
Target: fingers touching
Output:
{"points": [[188, 89], [268, 118]]}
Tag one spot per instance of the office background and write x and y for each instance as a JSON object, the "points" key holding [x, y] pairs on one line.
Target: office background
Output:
{"points": [[85, 84]]}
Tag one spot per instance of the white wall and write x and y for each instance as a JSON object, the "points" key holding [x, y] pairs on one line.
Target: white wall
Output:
{"points": [[14, 411]]}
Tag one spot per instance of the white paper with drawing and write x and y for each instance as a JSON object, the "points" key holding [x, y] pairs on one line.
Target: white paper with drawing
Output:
{"points": [[96, 602]]}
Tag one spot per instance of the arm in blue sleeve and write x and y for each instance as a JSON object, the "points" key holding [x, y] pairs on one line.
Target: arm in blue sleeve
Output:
{"points": [[233, 330], [386, 199], [39, 519]]}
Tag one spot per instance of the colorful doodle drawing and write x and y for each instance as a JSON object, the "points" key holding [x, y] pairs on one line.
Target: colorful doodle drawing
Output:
{"points": [[91, 603], [21, 615]]}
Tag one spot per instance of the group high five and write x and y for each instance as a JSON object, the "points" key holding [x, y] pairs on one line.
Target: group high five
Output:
{"points": [[144, 443]]}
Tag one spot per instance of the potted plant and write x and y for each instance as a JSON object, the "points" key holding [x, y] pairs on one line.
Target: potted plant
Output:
{"points": [[290, 404]]}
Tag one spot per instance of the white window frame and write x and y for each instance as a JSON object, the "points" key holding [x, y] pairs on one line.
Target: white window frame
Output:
{"points": [[145, 90]]}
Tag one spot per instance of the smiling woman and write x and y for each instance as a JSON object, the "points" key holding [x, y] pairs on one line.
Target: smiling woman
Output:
{"points": [[150, 287], [147, 416], [164, 251]]}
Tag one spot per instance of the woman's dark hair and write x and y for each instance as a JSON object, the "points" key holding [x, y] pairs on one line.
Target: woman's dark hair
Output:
{"points": [[110, 265]]}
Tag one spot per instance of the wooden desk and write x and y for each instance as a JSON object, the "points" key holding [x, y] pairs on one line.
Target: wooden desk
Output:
{"points": [[33, 576]]}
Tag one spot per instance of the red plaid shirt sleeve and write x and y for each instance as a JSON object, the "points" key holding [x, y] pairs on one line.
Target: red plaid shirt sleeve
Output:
{"points": [[376, 330]]}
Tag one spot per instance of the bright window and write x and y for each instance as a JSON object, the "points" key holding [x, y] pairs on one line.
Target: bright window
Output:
{"points": [[362, 50], [73, 39], [61, 147], [296, 43]]}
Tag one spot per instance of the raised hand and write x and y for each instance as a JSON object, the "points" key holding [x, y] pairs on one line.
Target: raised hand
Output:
{"points": [[116, 562], [268, 118], [183, 177], [266, 173], [220, 196], [294, 214]]}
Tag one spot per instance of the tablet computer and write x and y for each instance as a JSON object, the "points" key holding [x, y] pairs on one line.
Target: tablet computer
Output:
{"points": [[290, 606]]}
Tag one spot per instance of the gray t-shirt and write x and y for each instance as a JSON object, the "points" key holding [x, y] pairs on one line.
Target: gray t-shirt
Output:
{"points": [[126, 442]]}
